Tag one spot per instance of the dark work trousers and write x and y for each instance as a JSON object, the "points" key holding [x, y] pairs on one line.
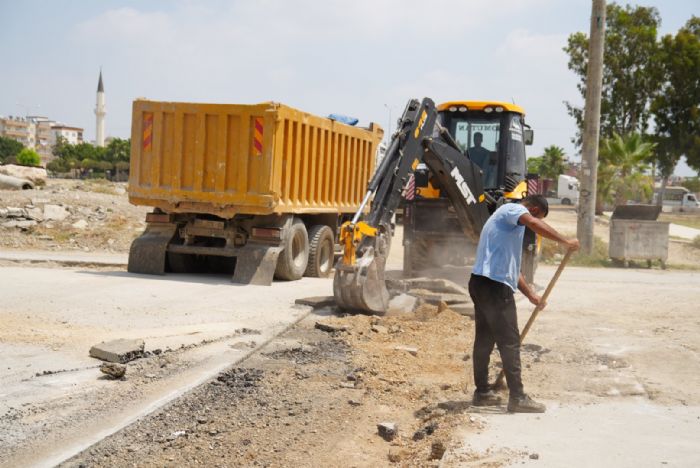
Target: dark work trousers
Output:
{"points": [[496, 322]]}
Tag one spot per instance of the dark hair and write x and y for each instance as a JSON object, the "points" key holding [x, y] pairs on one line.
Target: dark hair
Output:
{"points": [[539, 201]]}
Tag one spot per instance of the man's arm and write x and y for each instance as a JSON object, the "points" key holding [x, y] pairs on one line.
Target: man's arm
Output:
{"points": [[528, 291], [545, 230]]}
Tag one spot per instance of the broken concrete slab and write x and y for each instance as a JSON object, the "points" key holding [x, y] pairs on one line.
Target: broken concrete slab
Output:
{"points": [[412, 350], [387, 430], [402, 304], [437, 285], [55, 212], [113, 369], [80, 224], [436, 298], [317, 301], [465, 308], [330, 328], [121, 350]]}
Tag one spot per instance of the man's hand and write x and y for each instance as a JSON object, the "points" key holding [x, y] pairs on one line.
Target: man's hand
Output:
{"points": [[572, 244], [536, 300]]}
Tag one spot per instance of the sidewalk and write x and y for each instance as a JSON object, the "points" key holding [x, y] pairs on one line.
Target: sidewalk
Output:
{"points": [[65, 257]]}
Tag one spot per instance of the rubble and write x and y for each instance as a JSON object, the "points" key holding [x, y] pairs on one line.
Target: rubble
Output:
{"points": [[121, 351], [113, 369], [327, 327], [317, 301], [409, 349], [387, 430]]}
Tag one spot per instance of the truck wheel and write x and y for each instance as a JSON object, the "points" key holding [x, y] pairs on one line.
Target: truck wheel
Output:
{"points": [[293, 259], [321, 246], [565, 201]]}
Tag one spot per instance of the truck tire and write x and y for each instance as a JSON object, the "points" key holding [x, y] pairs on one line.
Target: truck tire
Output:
{"points": [[566, 201], [294, 257], [321, 246]]}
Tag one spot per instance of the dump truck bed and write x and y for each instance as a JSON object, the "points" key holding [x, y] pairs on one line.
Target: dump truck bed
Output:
{"points": [[228, 159]]}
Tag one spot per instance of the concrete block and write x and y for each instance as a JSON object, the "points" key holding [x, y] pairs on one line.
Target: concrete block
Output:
{"points": [[317, 301], [55, 212], [121, 351]]}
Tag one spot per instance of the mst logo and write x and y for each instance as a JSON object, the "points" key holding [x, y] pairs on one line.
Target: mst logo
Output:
{"points": [[463, 187]]}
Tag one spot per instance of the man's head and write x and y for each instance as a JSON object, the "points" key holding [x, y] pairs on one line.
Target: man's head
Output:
{"points": [[478, 138], [537, 205]]}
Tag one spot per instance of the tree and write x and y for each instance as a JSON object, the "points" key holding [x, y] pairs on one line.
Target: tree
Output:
{"points": [[118, 150], [554, 162], [630, 71], [28, 157], [534, 165], [622, 169], [9, 148], [676, 108], [692, 184]]}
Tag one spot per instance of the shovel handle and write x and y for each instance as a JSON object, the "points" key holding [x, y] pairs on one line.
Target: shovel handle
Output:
{"points": [[538, 308]]}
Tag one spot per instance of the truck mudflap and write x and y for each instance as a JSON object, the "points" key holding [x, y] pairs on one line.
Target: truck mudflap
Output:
{"points": [[148, 251], [256, 263]]}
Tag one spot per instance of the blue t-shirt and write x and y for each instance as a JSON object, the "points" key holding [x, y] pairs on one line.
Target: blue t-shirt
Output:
{"points": [[501, 246]]}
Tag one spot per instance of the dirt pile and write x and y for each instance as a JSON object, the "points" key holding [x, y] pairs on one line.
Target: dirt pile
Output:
{"points": [[316, 398]]}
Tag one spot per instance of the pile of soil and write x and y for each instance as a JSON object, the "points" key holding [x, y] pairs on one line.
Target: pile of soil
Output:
{"points": [[315, 398]]}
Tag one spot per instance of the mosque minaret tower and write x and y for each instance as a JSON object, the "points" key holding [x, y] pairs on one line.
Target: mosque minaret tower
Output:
{"points": [[100, 113]]}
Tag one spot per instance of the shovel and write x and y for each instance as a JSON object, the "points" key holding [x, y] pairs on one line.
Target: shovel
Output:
{"points": [[538, 309]]}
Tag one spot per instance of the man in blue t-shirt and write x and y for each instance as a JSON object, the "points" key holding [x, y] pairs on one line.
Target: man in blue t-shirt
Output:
{"points": [[495, 277]]}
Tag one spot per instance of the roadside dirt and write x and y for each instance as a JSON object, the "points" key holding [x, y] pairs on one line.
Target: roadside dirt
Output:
{"points": [[98, 217], [314, 398]]}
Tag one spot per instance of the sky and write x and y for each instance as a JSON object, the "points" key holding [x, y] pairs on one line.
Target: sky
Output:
{"points": [[363, 58]]}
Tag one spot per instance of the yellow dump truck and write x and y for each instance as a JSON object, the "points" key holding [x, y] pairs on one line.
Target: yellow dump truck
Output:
{"points": [[254, 190]]}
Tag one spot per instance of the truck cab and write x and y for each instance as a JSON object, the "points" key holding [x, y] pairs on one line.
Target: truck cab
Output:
{"points": [[678, 198]]}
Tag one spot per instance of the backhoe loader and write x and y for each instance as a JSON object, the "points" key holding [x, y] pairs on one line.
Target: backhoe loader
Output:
{"points": [[458, 185]]}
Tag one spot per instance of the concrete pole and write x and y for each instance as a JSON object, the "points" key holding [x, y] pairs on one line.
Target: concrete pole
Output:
{"points": [[591, 132]]}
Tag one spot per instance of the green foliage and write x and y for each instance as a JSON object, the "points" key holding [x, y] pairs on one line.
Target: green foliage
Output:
{"points": [[630, 72], [28, 157], [87, 157], [550, 165], [676, 108], [9, 149], [622, 169]]}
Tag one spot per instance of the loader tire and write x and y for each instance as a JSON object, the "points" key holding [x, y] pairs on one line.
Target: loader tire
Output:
{"points": [[321, 247], [294, 257]]}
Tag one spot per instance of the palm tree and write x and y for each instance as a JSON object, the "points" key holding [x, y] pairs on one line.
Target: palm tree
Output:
{"points": [[553, 162], [622, 169]]}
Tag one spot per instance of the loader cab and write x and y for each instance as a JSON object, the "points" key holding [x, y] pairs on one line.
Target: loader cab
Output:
{"points": [[493, 135]]}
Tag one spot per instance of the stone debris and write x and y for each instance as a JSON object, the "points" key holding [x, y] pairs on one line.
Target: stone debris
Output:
{"points": [[121, 351], [55, 213], [387, 430], [402, 304], [330, 328], [113, 369], [316, 301], [379, 329], [534, 456], [413, 351], [437, 450], [80, 224]]}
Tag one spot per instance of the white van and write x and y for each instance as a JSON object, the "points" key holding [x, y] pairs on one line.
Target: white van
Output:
{"points": [[568, 190], [678, 198]]}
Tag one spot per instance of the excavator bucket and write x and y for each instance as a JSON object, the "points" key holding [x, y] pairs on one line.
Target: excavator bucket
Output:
{"points": [[361, 287]]}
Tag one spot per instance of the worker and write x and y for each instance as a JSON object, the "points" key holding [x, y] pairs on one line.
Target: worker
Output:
{"points": [[483, 158], [495, 277]]}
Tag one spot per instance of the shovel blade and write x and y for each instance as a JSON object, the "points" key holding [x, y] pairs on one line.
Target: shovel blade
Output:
{"points": [[361, 287]]}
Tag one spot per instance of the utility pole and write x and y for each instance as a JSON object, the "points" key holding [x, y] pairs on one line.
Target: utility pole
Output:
{"points": [[591, 132]]}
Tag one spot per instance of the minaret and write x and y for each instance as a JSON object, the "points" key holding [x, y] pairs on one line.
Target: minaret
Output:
{"points": [[100, 112]]}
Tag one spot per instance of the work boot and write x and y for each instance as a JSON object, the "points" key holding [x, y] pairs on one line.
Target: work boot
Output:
{"points": [[524, 404], [489, 398]]}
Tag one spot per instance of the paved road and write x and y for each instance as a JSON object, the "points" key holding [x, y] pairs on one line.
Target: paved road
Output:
{"points": [[49, 318], [615, 358]]}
